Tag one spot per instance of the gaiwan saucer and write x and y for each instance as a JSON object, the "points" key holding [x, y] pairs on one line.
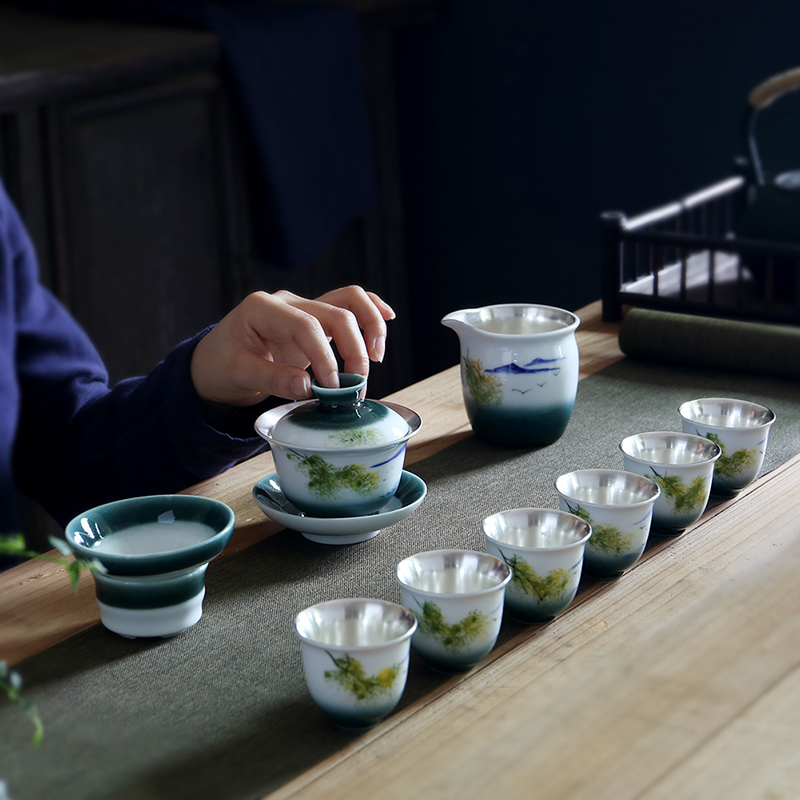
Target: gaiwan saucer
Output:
{"points": [[339, 530]]}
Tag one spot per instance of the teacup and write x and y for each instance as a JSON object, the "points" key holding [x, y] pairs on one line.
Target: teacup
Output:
{"points": [[544, 549], [740, 428], [519, 371], [355, 657], [619, 507], [155, 551], [682, 464], [457, 598]]}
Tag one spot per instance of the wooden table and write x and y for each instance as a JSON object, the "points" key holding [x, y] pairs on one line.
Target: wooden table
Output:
{"points": [[679, 680]]}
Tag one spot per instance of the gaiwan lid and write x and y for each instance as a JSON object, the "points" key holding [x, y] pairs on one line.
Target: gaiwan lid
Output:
{"points": [[338, 418]]}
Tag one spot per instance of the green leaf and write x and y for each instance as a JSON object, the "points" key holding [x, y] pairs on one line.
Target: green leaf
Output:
{"points": [[456, 636], [326, 480], [552, 586], [12, 544], [60, 545], [485, 389], [684, 498], [10, 685], [74, 571], [350, 674], [728, 466], [10, 681]]}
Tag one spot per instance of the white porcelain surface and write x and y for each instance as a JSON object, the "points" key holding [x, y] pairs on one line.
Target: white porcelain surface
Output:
{"points": [[355, 657], [519, 371], [682, 465], [133, 623], [383, 466], [153, 554], [457, 597], [619, 507], [342, 478], [151, 605], [153, 534], [740, 427], [270, 498], [377, 423], [544, 550]]}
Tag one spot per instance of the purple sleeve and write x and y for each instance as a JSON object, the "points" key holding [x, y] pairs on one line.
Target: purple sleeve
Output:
{"points": [[80, 443]]}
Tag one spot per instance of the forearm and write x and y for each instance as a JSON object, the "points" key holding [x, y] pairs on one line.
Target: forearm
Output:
{"points": [[146, 436]]}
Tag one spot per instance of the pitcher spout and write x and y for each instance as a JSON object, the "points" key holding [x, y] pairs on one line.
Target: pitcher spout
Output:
{"points": [[516, 320], [458, 320]]}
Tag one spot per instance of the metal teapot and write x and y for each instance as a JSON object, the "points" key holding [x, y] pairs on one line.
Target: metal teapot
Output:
{"points": [[773, 202], [771, 211]]}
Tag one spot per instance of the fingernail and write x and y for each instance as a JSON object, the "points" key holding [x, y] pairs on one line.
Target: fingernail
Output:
{"points": [[379, 348], [300, 387], [333, 380]]}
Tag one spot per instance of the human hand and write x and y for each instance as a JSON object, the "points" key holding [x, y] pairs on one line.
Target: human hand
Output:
{"points": [[264, 345]]}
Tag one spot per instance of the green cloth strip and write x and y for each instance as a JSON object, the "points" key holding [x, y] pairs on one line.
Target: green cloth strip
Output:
{"points": [[222, 711], [754, 347]]}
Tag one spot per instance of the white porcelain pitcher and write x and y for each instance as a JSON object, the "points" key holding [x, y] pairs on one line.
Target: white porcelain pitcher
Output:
{"points": [[519, 371]]}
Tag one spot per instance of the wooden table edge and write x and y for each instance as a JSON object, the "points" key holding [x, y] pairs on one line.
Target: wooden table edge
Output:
{"points": [[38, 608]]}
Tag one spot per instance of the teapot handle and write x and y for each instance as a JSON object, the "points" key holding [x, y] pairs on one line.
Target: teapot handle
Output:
{"points": [[772, 88], [759, 98]]}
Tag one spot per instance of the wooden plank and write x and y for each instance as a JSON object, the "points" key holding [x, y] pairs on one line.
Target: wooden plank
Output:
{"points": [[756, 755], [597, 340]]}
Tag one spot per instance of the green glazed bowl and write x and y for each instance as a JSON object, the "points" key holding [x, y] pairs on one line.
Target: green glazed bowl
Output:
{"points": [[152, 535], [153, 552]]}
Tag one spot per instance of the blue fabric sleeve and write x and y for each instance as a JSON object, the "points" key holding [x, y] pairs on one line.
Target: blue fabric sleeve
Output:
{"points": [[79, 443]]}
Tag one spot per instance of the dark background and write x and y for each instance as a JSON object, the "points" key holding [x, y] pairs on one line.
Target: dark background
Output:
{"points": [[503, 128], [522, 121]]}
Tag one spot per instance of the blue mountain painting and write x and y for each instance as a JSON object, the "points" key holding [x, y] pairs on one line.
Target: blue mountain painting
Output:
{"points": [[531, 368]]}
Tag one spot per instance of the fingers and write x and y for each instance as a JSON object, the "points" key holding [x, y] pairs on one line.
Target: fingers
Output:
{"points": [[264, 346], [343, 313], [371, 313], [275, 378], [292, 332], [331, 322], [261, 348]]}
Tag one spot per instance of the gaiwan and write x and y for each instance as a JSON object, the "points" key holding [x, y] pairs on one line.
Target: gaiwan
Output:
{"points": [[339, 455]]}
